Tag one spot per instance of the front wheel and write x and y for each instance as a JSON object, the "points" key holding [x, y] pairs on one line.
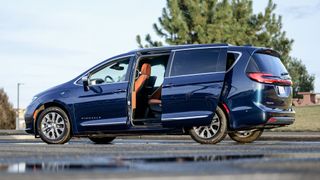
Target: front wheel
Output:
{"points": [[54, 126], [246, 136], [101, 140], [213, 133]]}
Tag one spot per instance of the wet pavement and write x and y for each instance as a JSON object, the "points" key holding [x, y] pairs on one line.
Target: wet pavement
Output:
{"points": [[162, 158]]}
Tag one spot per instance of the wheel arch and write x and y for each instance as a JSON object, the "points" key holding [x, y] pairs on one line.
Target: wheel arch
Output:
{"points": [[226, 112], [47, 105]]}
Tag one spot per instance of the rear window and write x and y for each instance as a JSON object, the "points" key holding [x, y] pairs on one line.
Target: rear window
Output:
{"points": [[196, 61], [266, 63]]}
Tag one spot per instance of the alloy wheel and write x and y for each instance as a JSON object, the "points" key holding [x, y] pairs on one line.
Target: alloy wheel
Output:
{"points": [[207, 132], [245, 133], [53, 125]]}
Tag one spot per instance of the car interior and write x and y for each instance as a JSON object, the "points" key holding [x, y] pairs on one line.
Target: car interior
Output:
{"points": [[146, 94]]}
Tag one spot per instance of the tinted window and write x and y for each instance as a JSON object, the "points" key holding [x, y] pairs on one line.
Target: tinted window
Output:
{"points": [[196, 61], [231, 59], [114, 72], [267, 64]]}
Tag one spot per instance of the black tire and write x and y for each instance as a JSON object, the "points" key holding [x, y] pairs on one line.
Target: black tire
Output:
{"points": [[101, 140], [245, 136], [219, 135], [60, 123]]}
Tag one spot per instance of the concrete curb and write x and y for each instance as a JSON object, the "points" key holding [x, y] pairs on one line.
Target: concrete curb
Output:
{"points": [[12, 132], [15, 135]]}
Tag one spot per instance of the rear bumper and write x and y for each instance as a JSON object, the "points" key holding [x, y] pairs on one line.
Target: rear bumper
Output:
{"points": [[260, 116], [276, 117], [279, 119]]}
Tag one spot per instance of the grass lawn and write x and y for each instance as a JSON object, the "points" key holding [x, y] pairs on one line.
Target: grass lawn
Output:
{"points": [[307, 119]]}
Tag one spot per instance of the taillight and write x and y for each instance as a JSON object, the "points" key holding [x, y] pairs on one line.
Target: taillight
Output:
{"points": [[268, 79]]}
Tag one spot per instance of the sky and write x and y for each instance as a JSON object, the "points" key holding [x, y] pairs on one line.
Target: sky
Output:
{"points": [[46, 43]]}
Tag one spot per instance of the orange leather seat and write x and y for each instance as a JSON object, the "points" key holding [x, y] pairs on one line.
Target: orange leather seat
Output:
{"points": [[155, 102], [139, 83], [156, 97]]}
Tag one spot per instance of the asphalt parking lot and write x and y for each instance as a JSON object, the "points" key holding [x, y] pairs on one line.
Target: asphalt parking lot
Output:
{"points": [[162, 157]]}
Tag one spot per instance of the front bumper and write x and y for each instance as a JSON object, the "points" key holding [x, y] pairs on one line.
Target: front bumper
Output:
{"points": [[28, 117], [29, 123]]}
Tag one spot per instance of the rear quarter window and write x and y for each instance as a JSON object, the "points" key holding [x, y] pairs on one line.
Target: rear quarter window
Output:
{"points": [[231, 59], [196, 61], [266, 63]]}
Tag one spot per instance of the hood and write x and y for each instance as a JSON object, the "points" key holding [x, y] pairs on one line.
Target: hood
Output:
{"points": [[54, 89]]}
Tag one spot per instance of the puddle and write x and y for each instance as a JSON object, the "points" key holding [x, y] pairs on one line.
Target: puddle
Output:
{"points": [[59, 167], [204, 158], [142, 164], [120, 165]]}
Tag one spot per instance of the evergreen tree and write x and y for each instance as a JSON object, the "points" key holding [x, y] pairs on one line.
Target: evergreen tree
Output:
{"points": [[303, 82], [7, 113], [227, 21]]}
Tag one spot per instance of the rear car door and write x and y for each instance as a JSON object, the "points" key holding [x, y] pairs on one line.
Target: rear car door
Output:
{"points": [[192, 86]]}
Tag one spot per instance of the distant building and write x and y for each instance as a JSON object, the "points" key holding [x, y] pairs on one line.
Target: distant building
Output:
{"points": [[308, 98], [22, 124]]}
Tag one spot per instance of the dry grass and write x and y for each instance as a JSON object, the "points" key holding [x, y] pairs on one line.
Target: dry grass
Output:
{"points": [[307, 119]]}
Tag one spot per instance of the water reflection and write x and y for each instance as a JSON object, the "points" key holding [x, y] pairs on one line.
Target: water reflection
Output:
{"points": [[58, 167], [115, 164]]}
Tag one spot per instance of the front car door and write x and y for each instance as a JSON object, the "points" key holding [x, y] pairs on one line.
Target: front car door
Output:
{"points": [[192, 86], [104, 105]]}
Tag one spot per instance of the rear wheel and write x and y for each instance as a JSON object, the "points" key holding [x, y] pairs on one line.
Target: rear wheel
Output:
{"points": [[101, 140], [213, 133], [54, 126], [246, 136]]}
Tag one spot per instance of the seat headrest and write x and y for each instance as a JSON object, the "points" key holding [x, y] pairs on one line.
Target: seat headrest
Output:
{"points": [[146, 69]]}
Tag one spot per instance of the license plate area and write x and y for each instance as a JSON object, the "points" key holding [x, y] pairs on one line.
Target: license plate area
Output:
{"points": [[281, 90]]}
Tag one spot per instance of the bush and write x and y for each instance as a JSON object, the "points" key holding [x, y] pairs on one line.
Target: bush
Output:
{"points": [[7, 113]]}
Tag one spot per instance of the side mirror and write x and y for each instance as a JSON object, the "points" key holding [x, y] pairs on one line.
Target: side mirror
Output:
{"points": [[85, 82]]}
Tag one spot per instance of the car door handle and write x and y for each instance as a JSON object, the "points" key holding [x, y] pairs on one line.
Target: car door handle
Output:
{"points": [[168, 85], [119, 91]]}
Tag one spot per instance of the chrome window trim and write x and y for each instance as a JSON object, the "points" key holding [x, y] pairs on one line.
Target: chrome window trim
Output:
{"points": [[109, 61], [235, 62], [211, 47], [173, 55], [196, 74]]}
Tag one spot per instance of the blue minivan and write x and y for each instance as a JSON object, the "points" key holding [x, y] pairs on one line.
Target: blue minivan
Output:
{"points": [[206, 91]]}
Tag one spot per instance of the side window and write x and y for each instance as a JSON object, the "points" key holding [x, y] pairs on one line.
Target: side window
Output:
{"points": [[231, 59], [111, 73], [158, 71], [196, 61]]}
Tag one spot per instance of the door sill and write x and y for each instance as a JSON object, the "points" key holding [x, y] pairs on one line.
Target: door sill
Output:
{"points": [[147, 123]]}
